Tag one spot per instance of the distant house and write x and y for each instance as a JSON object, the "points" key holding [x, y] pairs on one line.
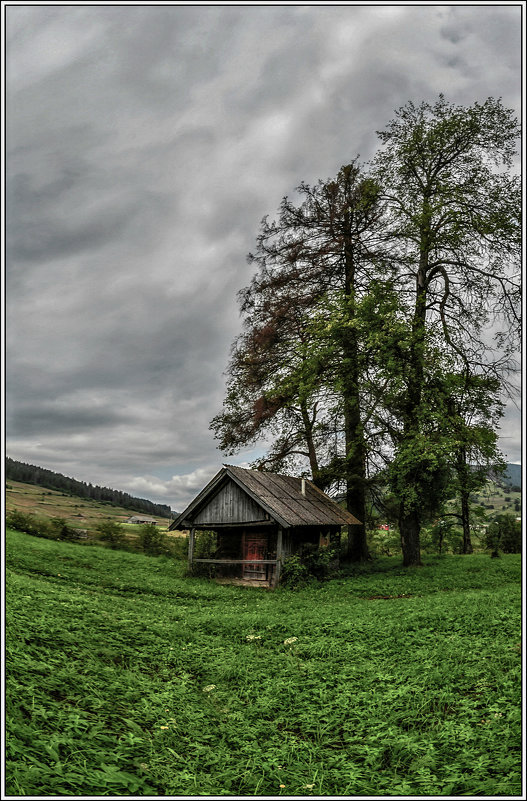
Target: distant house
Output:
{"points": [[259, 520], [142, 520]]}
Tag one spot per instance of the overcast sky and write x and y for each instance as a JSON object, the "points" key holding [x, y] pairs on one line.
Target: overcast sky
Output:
{"points": [[144, 145]]}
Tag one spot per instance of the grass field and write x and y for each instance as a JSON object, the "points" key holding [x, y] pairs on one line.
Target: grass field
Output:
{"points": [[125, 677], [497, 500]]}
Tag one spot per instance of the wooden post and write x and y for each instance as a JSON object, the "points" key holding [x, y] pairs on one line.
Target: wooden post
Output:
{"points": [[191, 548], [278, 557]]}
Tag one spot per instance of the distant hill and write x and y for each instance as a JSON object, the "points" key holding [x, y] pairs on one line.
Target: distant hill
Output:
{"points": [[512, 477], [31, 474]]}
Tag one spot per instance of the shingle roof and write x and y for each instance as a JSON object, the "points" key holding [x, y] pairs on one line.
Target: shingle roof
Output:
{"points": [[280, 496]]}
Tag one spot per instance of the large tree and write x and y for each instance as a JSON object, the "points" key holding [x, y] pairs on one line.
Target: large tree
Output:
{"points": [[320, 254], [274, 394], [453, 224]]}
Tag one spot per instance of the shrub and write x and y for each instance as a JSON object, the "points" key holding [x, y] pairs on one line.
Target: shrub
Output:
{"points": [[178, 547], [504, 534], [443, 536], [294, 573], [313, 563], [511, 535], [152, 540], [383, 543], [112, 533], [29, 524], [322, 563], [61, 530], [205, 545]]}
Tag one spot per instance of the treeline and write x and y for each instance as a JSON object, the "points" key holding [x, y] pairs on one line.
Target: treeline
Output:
{"points": [[31, 474]]}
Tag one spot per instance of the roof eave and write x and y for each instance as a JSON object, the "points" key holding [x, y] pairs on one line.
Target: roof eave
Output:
{"points": [[197, 500]]}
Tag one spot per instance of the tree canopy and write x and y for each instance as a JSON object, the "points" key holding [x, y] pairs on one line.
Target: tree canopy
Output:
{"points": [[365, 353]]}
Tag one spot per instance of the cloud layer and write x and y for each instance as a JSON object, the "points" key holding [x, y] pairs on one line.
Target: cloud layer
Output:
{"points": [[144, 145]]}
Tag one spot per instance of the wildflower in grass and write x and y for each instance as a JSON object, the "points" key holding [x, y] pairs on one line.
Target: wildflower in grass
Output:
{"points": [[253, 637], [163, 727], [290, 640], [209, 688], [282, 786]]}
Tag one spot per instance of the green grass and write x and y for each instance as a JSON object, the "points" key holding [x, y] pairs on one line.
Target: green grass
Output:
{"points": [[124, 677]]}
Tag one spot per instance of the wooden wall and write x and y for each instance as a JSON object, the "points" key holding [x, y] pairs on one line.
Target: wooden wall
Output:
{"points": [[230, 505]]}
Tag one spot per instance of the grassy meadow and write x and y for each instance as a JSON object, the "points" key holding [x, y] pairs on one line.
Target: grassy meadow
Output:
{"points": [[124, 677], [80, 513]]}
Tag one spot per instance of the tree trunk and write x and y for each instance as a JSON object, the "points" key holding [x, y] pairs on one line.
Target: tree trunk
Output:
{"points": [[409, 519], [462, 474], [465, 517], [355, 482], [354, 434], [410, 528]]}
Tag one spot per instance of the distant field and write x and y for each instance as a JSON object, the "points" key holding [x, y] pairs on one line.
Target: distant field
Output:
{"points": [[78, 512], [495, 500], [503, 500], [123, 677]]}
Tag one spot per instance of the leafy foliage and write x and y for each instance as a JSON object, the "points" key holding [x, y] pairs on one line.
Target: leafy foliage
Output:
{"points": [[152, 539], [452, 218], [504, 534], [112, 533], [313, 563], [49, 529]]}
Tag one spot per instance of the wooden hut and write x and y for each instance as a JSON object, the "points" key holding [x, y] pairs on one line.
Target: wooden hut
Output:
{"points": [[260, 519]]}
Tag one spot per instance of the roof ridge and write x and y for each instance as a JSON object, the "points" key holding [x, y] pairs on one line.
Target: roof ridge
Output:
{"points": [[279, 495]]}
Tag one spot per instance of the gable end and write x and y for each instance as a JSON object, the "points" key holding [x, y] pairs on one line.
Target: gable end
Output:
{"points": [[230, 505]]}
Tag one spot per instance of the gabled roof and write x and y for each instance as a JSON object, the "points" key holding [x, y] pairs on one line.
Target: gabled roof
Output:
{"points": [[280, 496]]}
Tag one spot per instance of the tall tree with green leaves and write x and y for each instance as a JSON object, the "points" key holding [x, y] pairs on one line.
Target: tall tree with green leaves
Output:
{"points": [[453, 226], [320, 253]]}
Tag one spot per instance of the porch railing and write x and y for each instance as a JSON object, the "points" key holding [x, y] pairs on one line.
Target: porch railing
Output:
{"points": [[239, 561]]}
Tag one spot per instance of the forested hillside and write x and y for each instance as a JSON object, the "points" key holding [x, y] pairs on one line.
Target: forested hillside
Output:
{"points": [[31, 474], [512, 477]]}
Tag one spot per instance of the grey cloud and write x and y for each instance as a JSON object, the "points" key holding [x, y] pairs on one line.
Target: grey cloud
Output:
{"points": [[33, 419], [43, 237]]}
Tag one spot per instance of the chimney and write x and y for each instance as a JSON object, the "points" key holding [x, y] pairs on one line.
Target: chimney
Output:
{"points": [[303, 487]]}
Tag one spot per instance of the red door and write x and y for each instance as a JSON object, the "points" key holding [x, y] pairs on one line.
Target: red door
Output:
{"points": [[254, 547]]}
